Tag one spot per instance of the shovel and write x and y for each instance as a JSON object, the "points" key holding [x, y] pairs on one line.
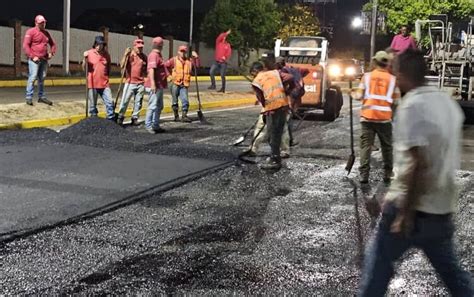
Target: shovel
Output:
{"points": [[351, 160], [199, 112], [243, 136], [121, 83]]}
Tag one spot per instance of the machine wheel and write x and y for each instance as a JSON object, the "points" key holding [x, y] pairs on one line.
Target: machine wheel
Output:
{"points": [[331, 105]]}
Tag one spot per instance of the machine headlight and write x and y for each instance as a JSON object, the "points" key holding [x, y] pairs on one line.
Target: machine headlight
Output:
{"points": [[335, 70], [350, 71]]}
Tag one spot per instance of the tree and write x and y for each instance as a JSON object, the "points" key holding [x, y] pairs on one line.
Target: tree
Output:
{"points": [[254, 24], [406, 12], [298, 20]]}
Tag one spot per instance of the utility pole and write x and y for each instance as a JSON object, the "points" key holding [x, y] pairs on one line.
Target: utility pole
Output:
{"points": [[373, 28], [66, 34], [191, 25]]}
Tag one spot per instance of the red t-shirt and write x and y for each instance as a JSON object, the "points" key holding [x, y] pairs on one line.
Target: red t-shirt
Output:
{"points": [[36, 43], [223, 48], [98, 69], [136, 68], [155, 61]]}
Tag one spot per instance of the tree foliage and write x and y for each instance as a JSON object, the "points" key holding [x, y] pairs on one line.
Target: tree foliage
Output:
{"points": [[298, 20], [254, 24], [406, 12]]}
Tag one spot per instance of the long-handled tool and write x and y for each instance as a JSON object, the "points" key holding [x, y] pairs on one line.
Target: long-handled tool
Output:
{"points": [[121, 82], [243, 136], [246, 152], [199, 112], [351, 160], [86, 69]]}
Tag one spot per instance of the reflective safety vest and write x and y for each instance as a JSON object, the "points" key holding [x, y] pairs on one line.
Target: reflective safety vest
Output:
{"points": [[273, 90], [181, 74], [378, 98]]}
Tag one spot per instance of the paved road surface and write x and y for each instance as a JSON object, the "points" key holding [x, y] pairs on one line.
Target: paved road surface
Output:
{"points": [[237, 231]]}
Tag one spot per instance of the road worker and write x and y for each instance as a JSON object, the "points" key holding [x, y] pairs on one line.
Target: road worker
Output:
{"points": [[270, 88], [98, 67], [181, 69], [378, 91], [134, 63], [35, 46], [221, 57], [155, 83]]}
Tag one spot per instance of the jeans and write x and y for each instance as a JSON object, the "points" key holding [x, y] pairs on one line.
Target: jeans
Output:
{"points": [[180, 92], [263, 136], [155, 106], [367, 138], [36, 71], [132, 90], [276, 124], [433, 234], [222, 68], [106, 96]]}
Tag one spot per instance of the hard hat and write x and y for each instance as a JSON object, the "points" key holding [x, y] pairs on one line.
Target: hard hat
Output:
{"points": [[39, 19]]}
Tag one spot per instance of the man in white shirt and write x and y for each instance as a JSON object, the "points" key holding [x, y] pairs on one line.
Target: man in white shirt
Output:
{"points": [[418, 208]]}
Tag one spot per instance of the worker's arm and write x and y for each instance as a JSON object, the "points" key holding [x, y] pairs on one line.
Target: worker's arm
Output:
{"points": [[221, 37], [27, 45], [304, 71], [151, 77], [84, 60], [259, 95], [52, 45], [403, 223], [412, 43], [358, 93], [287, 80]]}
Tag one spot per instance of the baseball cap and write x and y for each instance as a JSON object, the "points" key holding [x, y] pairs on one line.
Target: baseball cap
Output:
{"points": [[182, 48], [382, 57], [99, 40], [40, 19], [158, 41], [138, 43]]}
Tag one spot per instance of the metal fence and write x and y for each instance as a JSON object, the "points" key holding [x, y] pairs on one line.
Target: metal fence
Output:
{"points": [[7, 46], [82, 40]]}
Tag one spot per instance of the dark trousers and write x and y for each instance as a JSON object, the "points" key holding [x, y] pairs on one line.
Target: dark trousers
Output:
{"points": [[432, 233], [367, 138], [276, 122], [222, 68]]}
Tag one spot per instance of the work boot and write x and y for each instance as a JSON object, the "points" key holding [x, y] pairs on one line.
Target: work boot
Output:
{"points": [[176, 115], [185, 118], [45, 101], [120, 120], [29, 102], [374, 148], [271, 163], [294, 143], [364, 178], [212, 87], [135, 122], [387, 177], [222, 90], [284, 155]]}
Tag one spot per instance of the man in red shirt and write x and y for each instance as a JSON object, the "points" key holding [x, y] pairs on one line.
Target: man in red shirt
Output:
{"points": [[222, 55], [134, 64], [98, 67], [35, 46], [181, 70], [155, 84], [403, 41]]}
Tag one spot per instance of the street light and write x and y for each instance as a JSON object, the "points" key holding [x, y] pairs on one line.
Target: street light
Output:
{"points": [[357, 22]]}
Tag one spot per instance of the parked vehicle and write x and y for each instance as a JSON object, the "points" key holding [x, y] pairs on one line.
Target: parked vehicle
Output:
{"points": [[341, 69]]}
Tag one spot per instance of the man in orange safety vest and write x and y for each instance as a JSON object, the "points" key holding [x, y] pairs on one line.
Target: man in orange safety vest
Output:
{"points": [[378, 92]]}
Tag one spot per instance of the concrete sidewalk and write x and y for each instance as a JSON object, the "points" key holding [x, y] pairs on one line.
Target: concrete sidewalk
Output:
{"points": [[79, 81]]}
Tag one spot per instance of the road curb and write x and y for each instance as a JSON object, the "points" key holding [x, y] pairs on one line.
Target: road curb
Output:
{"points": [[58, 82], [41, 123]]}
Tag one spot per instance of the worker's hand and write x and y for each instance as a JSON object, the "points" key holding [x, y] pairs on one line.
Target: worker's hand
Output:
{"points": [[373, 207], [86, 53], [403, 224], [127, 51], [50, 55], [229, 31], [35, 59], [194, 54], [153, 89]]}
